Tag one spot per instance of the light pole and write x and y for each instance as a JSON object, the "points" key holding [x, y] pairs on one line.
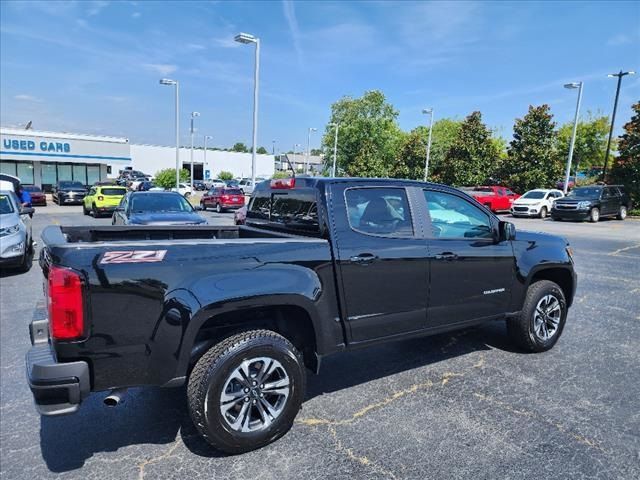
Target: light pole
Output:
{"points": [[273, 147], [620, 74], [426, 162], [247, 38], [577, 85], [294, 154], [335, 148], [206, 137], [168, 81], [193, 116], [306, 166]]}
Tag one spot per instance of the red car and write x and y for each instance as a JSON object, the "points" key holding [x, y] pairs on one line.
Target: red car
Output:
{"points": [[494, 198], [222, 199], [38, 197]]}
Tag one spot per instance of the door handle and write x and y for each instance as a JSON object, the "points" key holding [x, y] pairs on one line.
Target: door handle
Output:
{"points": [[446, 256], [363, 258]]}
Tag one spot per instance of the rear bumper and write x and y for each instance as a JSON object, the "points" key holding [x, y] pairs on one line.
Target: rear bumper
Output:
{"points": [[57, 388], [231, 206], [570, 214]]}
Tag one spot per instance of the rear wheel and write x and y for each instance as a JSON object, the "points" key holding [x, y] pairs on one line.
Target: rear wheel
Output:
{"points": [[594, 215], [542, 319], [246, 391], [543, 213], [622, 213]]}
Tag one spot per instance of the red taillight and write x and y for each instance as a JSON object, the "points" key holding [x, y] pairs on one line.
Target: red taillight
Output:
{"points": [[225, 198], [100, 198], [283, 183], [66, 313]]}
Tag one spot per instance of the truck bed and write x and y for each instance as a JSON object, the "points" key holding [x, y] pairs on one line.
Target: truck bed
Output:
{"points": [[60, 235]]}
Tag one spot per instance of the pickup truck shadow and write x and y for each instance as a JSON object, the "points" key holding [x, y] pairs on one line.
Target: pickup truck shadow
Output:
{"points": [[158, 416]]}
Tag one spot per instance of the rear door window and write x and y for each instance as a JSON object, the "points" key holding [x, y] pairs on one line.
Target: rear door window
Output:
{"points": [[379, 211]]}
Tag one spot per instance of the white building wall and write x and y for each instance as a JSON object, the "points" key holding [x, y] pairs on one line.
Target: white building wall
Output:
{"points": [[152, 158]]}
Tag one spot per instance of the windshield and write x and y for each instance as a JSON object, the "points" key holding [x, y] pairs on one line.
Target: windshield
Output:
{"points": [[5, 204], [31, 188], [71, 185], [159, 202], [113, 191], [232, 191], [585, 192], [534, 194]]}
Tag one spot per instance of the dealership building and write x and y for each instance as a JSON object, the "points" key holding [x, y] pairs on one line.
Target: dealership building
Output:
{"points": [[45, 158]]}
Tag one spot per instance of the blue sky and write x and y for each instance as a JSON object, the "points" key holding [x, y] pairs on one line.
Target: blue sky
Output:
{"points": [[94, 67]]}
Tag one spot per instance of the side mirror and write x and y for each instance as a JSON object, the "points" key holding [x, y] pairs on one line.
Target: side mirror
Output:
{"points": [[506, 231]]}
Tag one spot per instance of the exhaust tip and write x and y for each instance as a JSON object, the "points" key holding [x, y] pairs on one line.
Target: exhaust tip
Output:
{"points": [[115, 397], [111, 401]]}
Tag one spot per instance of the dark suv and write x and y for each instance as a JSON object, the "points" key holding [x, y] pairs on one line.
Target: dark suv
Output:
{"points": [[592, 203]]}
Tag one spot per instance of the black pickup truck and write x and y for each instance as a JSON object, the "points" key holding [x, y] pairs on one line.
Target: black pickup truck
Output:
{"points": [[239, 313]]}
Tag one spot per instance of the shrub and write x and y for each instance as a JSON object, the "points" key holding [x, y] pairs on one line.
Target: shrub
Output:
{"points": [[166, 178], [224, 175]]}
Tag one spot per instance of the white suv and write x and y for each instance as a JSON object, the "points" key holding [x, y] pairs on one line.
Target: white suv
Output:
{"points": [[535, 203]]}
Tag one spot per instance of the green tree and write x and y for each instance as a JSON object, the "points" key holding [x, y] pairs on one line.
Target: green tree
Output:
{"points": [[317, 152], [240, 147], [166, 178], [412, 151], [473, 156], [626, 167], [224, 175], [532, 160], [368, 137], [591, 141], [262, 151], [277, 175]]}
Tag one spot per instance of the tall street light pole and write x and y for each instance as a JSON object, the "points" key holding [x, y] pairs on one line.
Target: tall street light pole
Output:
{"points": [[247, 38], [206, 137], [273, 147], [335, 148], [193, 116], [306, 166], [426, 162], [620, 74], [294, 154], [577, 85], [168, 81]]}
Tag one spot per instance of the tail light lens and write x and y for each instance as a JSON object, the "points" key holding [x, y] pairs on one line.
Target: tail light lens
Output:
{"points": [[66, 312], [100, 198], [283, 183], [225, 198]]}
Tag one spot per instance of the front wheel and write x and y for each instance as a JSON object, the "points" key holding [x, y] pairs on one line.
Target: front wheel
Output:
{"points": [[246, 391], [187, 194], [94, 211], [84, 210], [543, 213], [203, 206], [542, 319], [594, 215], [622, 213], [218, 208]]}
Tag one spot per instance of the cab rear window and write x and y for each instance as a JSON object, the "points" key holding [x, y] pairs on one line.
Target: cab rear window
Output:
{"points": [[294, 209]]}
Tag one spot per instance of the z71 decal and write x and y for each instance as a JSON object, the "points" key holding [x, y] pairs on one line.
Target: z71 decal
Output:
{"points": [[133, 256]]}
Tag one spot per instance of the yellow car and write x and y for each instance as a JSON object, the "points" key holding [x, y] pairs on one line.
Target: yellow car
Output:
{"points": [[102, 199]]}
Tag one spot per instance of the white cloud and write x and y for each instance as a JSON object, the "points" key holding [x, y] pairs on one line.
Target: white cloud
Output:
{"points": [[225, 42], [96, 7], [290, 14], [161, 68], [135, 15], [619, 39], [27, 98]]}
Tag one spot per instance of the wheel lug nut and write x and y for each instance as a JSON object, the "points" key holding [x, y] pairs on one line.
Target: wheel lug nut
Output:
{"points": [[246, 390], [254, 383], [261, 394], [254, 402], [262, 386], [246, 399]]}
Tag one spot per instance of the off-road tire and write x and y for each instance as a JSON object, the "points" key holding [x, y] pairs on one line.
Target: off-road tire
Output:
{"points": [[521, 327], [622, 212], [210, 373]]}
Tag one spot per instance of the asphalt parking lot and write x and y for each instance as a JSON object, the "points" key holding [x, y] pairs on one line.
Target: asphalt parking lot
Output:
{"points": [[461, 405]]}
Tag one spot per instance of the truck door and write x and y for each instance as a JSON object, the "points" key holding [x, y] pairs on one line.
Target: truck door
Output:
{"points": [[471, 273], [381, 262]]}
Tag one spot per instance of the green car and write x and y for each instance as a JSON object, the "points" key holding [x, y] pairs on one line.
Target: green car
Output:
{"points": [[102, 199]]}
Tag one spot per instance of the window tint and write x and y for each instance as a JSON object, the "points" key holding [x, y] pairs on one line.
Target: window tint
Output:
{"points": [[159, 202], [454, 217], [295, 209], [5, 204], [113, 191], [92, 191], [379, 211], [232, 191], [509, 192]]}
